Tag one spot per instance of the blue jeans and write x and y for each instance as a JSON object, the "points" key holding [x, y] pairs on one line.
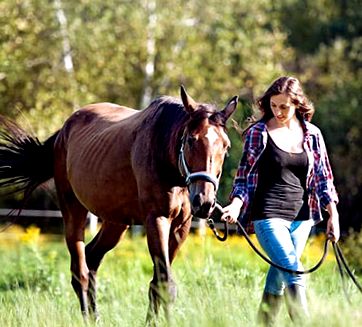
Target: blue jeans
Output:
{"points": [[283, 241]]}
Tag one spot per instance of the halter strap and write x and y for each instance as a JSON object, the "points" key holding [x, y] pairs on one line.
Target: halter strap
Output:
{"points": [[193, 177]]}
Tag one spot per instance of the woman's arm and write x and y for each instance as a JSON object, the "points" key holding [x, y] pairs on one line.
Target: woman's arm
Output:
{"points": [[325, 188], [232, 211], [239, 195], [333, 231], [327, 192]]}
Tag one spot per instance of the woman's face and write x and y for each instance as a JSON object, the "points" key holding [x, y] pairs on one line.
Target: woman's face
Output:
{"points": [[282, 107]]}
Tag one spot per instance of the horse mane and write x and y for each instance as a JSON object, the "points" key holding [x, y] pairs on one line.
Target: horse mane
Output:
{"points": [[165, 119]]}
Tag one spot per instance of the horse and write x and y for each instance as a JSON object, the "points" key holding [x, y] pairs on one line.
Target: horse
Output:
{"points": [[157, 166]]}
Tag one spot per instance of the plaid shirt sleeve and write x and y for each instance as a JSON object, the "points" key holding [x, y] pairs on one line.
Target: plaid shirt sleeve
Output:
{"points": [[246, 178], [325, 188]]}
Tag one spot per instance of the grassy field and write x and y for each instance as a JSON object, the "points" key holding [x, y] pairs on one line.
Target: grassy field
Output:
{"points": [[219, 284]]}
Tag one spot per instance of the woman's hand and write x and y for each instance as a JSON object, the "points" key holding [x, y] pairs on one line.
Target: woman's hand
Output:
{"points": [[232, 211], [333, 231]]}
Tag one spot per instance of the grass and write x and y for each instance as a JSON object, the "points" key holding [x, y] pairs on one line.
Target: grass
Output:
{"points": [[219, 284]]}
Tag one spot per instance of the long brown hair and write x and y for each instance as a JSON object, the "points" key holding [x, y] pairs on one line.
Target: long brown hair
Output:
{"points": [[291, 87]]}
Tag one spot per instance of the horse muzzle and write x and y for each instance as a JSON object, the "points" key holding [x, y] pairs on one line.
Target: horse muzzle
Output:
{"points": [[202, 205], [202, 187]]}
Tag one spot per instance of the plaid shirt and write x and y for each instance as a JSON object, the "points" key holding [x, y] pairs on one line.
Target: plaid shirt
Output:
{"points": [[320, 187]]}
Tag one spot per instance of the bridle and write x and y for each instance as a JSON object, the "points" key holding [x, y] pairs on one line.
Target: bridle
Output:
{"points": [[196, 176]]}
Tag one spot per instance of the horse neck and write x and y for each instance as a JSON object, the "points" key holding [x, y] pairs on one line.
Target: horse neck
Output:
{"points": [[164, 125], [174, 145]]}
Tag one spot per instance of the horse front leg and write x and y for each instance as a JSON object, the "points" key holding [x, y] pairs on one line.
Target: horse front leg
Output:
{"points": [[162, 289], [180, 229]]}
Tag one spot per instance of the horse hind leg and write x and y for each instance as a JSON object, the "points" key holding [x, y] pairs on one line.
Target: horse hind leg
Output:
{"points": [[105, 240], [75, 218]]}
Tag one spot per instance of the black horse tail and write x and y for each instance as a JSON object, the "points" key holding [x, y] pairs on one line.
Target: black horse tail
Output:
{"points": [[25, 162]]}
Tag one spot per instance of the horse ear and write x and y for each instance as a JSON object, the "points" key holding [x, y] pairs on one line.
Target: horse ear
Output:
{"points": [[230, 108], [189, 103]]}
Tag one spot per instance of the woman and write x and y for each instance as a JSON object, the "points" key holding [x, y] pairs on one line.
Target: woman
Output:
{"points": [[283, 181]]}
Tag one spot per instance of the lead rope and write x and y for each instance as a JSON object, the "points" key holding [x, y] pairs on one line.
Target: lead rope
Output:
{"points": [[341, 261], [218, 210], [291, 271], [342, 264], [211, 224]]}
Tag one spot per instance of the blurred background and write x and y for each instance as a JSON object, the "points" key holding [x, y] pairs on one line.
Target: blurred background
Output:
{"points": [[59, 55]]}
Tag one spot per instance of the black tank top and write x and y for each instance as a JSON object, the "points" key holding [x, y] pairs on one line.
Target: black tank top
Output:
{"points": [[281, 189]]}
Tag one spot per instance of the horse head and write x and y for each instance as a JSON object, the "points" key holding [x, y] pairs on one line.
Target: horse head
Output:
{"points": [[203, 148]]}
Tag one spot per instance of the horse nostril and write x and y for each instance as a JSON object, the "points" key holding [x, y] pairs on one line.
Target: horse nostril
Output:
{"points": [[206, 207], [196, 202]]}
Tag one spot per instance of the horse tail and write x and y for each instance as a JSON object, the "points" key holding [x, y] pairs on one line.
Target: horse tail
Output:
{"points": [[25, 162]]}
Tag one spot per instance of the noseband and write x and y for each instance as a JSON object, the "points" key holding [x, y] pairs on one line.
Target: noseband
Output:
{"points": [[196, 176]]}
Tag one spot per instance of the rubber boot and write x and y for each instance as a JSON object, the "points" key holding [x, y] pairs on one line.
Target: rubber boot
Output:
{"points": [[269, 309], [297, 302]]}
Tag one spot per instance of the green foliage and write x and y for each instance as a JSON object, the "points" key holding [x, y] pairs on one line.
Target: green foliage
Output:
{"points": [[319, 22], [33, 270], [31, 75], [352, 250], [216, 50]]}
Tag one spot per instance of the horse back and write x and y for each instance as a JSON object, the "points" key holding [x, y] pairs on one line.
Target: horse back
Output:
{"points": [[93, 159], [115, 161]]}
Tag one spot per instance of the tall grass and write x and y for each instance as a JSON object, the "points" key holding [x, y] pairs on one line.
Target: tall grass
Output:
{"points": [[219, 284]]}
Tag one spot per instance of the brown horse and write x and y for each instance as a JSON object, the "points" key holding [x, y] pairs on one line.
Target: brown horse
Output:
{"points": [[156, 167]]}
